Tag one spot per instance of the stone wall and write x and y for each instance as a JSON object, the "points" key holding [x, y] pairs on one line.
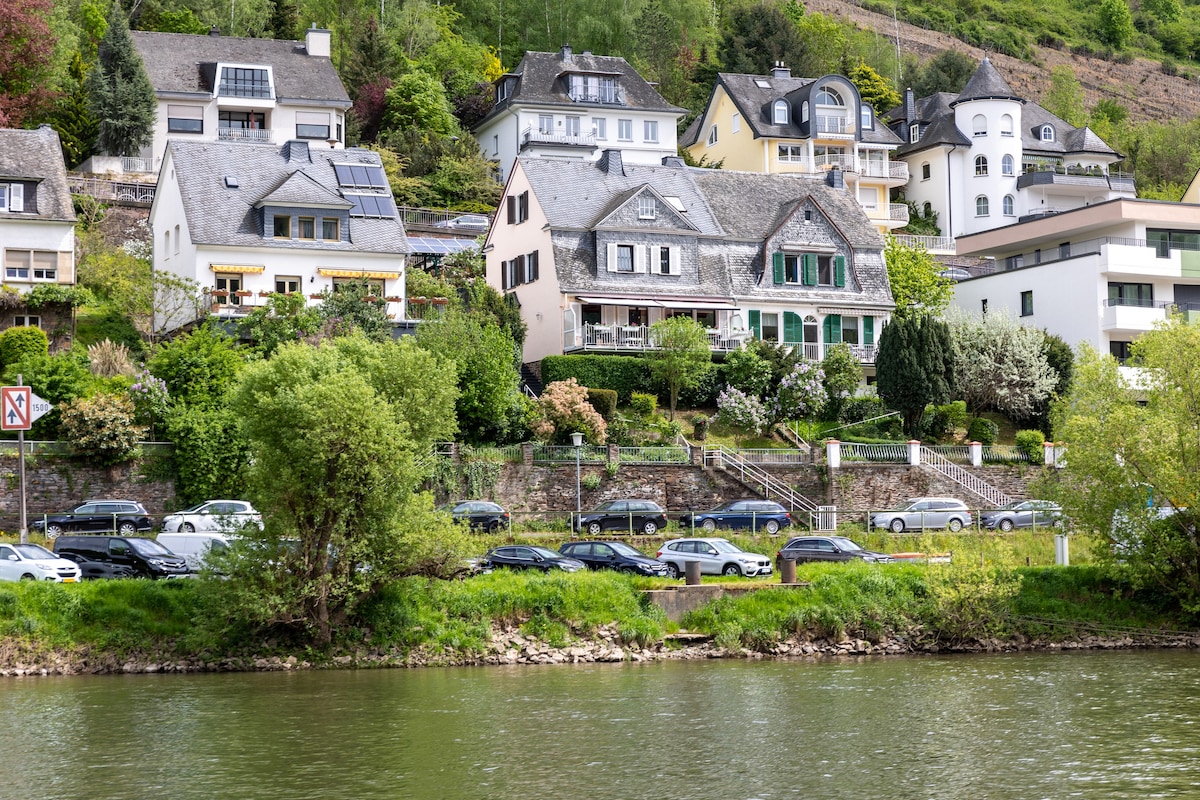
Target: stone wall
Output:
{"points": [[59, 484]]}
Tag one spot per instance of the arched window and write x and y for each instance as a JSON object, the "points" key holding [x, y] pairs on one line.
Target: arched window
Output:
{"points": [[779, 112], [1047, 133], [1009, 206], [981, 206], [166, 244], [1006, 125], [828, 97], [979, 125], [865, 117], [804, 111], [927, 210], [981, 165], [1007, 165]]}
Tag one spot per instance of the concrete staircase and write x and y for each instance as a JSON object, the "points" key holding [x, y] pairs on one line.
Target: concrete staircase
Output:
{"points": [[975, 485], [762, 483]]}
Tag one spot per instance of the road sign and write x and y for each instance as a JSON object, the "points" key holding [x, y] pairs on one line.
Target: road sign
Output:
{"points": [[15, 402], [38, 408]]}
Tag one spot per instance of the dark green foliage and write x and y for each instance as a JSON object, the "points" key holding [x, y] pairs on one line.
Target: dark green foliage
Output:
{"points": [[199, 367], [1061, 359], [284, 318], [781, 358], [940, 421], [747, 371], [757, 35], [983, 430], [704, 393], [914, 367], [604, 401], [210, 453], [1031, 444], [109, 323], [843, 375], [17, 343], [948, 71], [285, 20], [623, 374], [72, 117], [57, 379], [122, 98], [491, 307]]}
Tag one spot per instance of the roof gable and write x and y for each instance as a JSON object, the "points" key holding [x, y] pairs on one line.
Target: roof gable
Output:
{"points": [[625, 210], [301, 189], [36, 156]]}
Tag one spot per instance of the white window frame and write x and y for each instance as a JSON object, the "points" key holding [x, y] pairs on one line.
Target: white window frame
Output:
{"points": [[650, 130], [1009, 206], [981, 202], [1006, 125], [572, 126], [624, 130], [712, 135], [981, 166], [914, 133], [779, 112], [27, 320], [221, 67], [792, 154], [1008, 165], [546, 124], [735, 124], [647, 208], [600, 128], [979, 125], [656, 254], [1047, 133]]}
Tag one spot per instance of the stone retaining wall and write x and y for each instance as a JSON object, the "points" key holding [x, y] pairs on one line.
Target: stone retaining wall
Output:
{"points": [[55, 484]]}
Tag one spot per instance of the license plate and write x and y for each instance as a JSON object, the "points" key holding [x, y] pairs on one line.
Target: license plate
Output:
{"points": [[68, 580]]}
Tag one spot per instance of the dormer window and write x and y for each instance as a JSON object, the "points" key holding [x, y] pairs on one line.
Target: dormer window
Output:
{"points": [[12, 197], [866, 118], [594, 89], [826, 96], [245, 82], [1047, 133], [504, 89], [779, 112], [914, 133]]}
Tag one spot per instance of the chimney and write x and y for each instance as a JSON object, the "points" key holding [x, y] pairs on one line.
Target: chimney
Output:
{"points": [[834, 178], [316, 41], [910, 106], [214, 31], [610, 162], [780, 71], [673, 161], [565, 53]]}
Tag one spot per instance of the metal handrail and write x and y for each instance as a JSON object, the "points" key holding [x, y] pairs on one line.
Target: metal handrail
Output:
{"points": [[728, 460], [963, 478]]}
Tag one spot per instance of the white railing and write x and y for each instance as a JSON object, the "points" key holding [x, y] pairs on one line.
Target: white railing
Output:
{"points": [[776, 455], [132, 164], [934, 244], [958, 453], [843, 161], [111, 190], [244, 134], [838, 125], [749, 473], [965, 479], [898, 212], [653, 455], [878, 453], [884, 169], [535, 136], [597, 336], [816, 351]]}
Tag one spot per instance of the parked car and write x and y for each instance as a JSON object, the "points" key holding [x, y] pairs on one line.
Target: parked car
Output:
{"points": [[479, 514], [529, 557], [757, 515], [828, 548], [145, 557], [119, 516], [955, 273], [716, 557], [98, 570], [623, 515], [475, 223], [213, 515], [195, 546], [1022, 514], [614, 555], [924, 512], [32, 562]]}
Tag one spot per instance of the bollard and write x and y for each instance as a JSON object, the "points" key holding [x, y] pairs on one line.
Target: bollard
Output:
{"points": [[691, 573], [787, 570]]}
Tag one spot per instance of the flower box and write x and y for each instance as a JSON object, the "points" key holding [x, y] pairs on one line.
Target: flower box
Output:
{"points": [[316, 296], [440, 301], [417, 301], [243, 293], [394, 299], [219, 293], [370, 299]]}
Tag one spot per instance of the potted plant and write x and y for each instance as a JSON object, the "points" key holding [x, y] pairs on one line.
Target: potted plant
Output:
{"points": [[243, 293], [439, 301], [315, 296], [419, 300], [394, 299], [219, 293]]}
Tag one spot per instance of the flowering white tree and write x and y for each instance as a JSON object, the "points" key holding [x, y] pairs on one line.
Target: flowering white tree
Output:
{"points": [[801, 393], [741, 410], [1000, 364]]}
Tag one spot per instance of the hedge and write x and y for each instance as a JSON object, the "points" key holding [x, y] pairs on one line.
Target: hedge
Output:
{"points": [[623, 374], [604, 401]]}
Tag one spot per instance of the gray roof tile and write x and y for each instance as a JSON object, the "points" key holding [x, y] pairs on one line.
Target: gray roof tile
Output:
{"points": [[986, 84], [36, 155]]}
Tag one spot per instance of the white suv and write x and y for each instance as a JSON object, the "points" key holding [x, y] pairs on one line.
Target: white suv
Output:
{"points": [[31, 562], [716, 557], [925, 512]]}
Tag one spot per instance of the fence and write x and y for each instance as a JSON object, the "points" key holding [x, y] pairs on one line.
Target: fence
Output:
{"points": [[897, 453], [653, 455]]}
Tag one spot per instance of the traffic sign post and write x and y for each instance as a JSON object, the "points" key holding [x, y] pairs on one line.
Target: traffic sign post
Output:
{"points": [[19, 409]]}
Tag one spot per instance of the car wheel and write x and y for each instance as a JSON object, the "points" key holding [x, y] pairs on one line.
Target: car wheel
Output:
{"points": [[896, 525], [650, 528], [593, 528], [732, 570], [27, 577], [187, 527], [772, 527], [53, 530], [709, 525], [127, 528], [1006, 525], [955, 525], [672, 570]]}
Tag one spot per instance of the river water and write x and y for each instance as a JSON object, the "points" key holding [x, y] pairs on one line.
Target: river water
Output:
{"points": [[1027, 726]]}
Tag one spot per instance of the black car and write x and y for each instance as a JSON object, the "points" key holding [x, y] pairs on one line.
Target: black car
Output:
{"points": [[757, 515], [96, 516], [828, 548], [522, 556], [645, 516], [614, 555], [479, 514], [95, 570], [145, 557]]}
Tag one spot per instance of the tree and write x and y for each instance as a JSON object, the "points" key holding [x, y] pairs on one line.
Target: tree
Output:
{"points": [[101, 429], [1061, 359], [801, 393], [200, 367], [843, 376], [948, 71], [355, 307], [1000, 365], [914, 366], [28, 48], [418, 102], [284, 318], [285, 20], [122, 98], [915, 279], [873, 88], [1065, 96], [757, 35], [564, 409], [680, 356], [1116, 23], [57, 379], [77, 128]]}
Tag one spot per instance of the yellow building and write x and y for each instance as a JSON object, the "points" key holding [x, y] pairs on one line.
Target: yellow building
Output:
{"points": [[806, 126]]}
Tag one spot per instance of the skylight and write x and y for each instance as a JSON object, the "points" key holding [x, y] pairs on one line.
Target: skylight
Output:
{"points": [[675, 202], [360, 176], [372, 205], [762, 84]]}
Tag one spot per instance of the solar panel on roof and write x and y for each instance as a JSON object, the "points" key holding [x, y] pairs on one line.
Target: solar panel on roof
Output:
{"points": [[429, 245], [372, 205], [360, 176]]}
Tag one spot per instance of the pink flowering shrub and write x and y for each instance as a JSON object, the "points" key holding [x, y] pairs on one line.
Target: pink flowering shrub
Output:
{"points": [[564, 409], [801, 392], [741, 410]]}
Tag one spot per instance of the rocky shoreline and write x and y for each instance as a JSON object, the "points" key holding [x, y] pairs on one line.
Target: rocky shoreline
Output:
{"points": [[510, 647]]}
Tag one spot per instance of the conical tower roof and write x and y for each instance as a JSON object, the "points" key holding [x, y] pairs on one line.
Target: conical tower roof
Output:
{"points": [[986, 84]]}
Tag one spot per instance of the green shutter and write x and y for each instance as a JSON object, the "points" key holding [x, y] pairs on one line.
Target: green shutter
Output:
{"points": [[793, 328], [839, 270], [809, 268], [777, 264], [868, 331], [756, 323], [833, 328]]}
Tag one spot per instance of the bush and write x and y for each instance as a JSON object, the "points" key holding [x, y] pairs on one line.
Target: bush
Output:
{"points": [[591, 482], [983, 430], [643, 405], [940, 421], [1031, 443], [564, 409], [16, 343], [703, 394], [101, 428], [604, 401], [742, 410], [747, 371], [623, 374]]}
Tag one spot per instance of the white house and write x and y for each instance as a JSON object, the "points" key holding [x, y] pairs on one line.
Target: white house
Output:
{"points": [[223, 88], [37, 227], [246, 220], [1103, 274], [986, 157], [568, 105]]}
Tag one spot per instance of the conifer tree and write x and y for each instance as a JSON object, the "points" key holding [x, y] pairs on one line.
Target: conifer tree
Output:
{"points": [[914, 367], [122, 98], [72, 117]]}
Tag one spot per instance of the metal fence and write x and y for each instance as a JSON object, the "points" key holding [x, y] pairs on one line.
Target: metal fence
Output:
{"points": [[561, 454], [653, 455], [775, 456], [884, 453]]}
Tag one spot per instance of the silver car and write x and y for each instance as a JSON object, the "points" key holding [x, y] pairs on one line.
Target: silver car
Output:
{"points": [[716, 557], [226, 516], [1022, 514], [924, 512]]}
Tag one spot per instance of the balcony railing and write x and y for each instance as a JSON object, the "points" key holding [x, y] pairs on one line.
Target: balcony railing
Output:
{"points": [[534, 136], [595, 336], [897, 170], [934, 244], [835, 125], [816, 351], [138, 193], [244, 134], [133, 164], [608, 95], [898, 212]]}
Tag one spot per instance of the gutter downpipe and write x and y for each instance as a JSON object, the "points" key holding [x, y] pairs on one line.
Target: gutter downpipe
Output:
{"points": [[950, 194]]}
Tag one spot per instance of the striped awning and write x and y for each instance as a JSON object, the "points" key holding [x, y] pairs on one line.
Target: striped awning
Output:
{"points": [[236, 268], [356, 273]]}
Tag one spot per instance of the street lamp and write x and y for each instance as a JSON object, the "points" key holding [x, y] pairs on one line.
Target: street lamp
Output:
{"points": [[577, 441]]}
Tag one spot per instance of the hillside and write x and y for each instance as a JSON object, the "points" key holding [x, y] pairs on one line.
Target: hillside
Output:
{"points": [[1140, 86]]}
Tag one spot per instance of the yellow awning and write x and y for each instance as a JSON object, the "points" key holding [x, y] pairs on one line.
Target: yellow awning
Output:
{"points": [[235, 268], [355, 273]]}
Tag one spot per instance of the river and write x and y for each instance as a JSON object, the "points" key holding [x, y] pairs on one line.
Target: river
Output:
{"points": [[1027, 726]]}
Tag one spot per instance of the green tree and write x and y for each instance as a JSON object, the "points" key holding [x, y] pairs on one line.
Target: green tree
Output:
{"points": [[101, 429], [418, 102], [211, 452], [1065, 96], [914, 276], [284, 22], [28, 47], [948, 71], [914, 366], [1000, 365], [1165, 10], [843, 376], [680, 357], [1116, 23], [356, 306], [122, 98], [747, 371], [72, 118], [21, 341], [874, 88], [757, 35], [283, 318], [200, 368], [57, 379]]}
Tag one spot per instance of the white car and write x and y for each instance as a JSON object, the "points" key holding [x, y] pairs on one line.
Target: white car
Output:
{"points": [[32, 562], [716, 557], [226, 516]]}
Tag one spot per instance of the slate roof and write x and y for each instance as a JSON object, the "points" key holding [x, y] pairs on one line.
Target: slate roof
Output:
{"points": [[220, 215], [36, 155], [186, 63], [539, 83], [986, 84]]}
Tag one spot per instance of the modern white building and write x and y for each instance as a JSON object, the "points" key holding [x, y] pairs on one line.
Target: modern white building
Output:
{"points": [[1103, 274], [986, 158], [569, 105]]}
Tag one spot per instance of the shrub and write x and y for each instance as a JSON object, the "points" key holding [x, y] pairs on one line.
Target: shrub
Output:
{"points": [[108, 359], [101, 428], [742, 410], [747, 371], [942, 420], [16, 343], [983, 430], [704, 392], [623, 374], [604, 401], [565, 410], [700, 427], [643, 405], [1031, 443], [801, 392], [591, 482]]}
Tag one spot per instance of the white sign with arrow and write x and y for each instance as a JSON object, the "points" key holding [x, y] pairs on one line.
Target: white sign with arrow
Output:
{"points": [[20, 408]]}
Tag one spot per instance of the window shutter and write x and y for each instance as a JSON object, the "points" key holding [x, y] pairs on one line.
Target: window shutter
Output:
{"points": [[504, 276], [518, 270], [673, 255], [777, 266], [512, 210], [833, 328], [839, 270], [639, 259], [756, 323], [808, 263], [793, 328], [16, 197], [612, 257], [531, 268], [868, 331]]}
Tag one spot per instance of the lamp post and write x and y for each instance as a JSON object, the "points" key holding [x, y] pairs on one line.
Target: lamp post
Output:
{"points": [[577, 441]]}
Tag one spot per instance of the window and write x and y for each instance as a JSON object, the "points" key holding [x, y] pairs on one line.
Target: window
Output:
{"points": [[1027, 304], [779, 112], [308, 228], [177, 237], [712, 135], [245, 82], [983, 306], [1121, 351], [914, 133], [227, 284], [27, 320], [809, 269], [981, 166], [664, 261], [518, 208], [1165, 240], [610, 91], [312, 125], [770, 327], [330, 229], [1014, 262], [12, 197], [600, 128], [828, 96], [647, 208], [1131, 294], [287, 284], [1009, 206], [850, 330], [503, 88], [1006, 125], [624, 258], [925, 171], [166, 254], [866, 118], [545, 124], [572, 126], [736, 124], [650, 130], [185, 119], [234, 123], [625, 130], [30, 265], [281, 226], [374, 286], [1007, 165], [791, 153], [981, 206], [583, 88], [979, 125], [1047, 133], [927, 210]]}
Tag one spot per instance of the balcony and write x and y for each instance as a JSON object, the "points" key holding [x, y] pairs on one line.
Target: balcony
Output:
{"points": [[638, 338], [256, 135], [1133, 315], [815, 351], [1075, 180], [940, 245], [532, 137], [892, 170], [833, 126], [605, 95], [898, 212]]}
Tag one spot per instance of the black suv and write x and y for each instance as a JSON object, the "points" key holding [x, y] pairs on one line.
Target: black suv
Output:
{"points": [[614, 555], [828, 548], [118, 516], [146, 558], [624, 515]]}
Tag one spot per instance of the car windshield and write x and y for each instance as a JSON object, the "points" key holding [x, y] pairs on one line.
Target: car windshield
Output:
{"points": [[624, 549], [149, 547], [725, 547], [1012, 505], [843, 543], [546, 552], [32, 551]]}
